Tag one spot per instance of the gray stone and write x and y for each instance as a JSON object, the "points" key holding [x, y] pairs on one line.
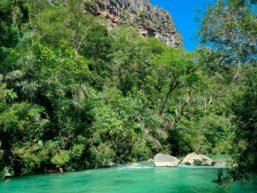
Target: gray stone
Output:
{"points": [[164, 160], [198, 160], [148, 19]]}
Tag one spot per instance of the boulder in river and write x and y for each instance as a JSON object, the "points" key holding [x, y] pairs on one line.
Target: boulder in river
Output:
{"points": [[164, 160], [198, 160]]}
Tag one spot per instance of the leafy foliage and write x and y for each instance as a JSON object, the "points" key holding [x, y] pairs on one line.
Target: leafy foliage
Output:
{"points": [[230, 27], [77, 95]]}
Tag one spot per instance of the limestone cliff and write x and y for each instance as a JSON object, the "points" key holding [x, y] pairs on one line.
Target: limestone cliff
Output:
{"points": [[148, 19]]}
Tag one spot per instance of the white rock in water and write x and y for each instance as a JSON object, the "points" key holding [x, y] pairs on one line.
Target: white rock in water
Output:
{"points": [[198, 160], [164, 160]]}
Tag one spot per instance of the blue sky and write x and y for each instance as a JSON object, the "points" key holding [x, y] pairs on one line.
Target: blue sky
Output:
{"points": [[184, 14]]}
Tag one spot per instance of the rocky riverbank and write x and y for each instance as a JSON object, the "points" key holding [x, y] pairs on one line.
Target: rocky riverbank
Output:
{"points": [[192, 159]]}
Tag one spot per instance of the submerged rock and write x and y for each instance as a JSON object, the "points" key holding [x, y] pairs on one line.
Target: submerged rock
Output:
{"points": [[133, 165], [198, 160], [164, 160]]}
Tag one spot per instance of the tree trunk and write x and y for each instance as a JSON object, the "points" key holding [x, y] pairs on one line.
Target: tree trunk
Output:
{"points": [[172, 87]]}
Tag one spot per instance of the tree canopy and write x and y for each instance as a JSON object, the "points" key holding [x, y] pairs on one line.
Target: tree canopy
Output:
{"points": [[75, 94]]}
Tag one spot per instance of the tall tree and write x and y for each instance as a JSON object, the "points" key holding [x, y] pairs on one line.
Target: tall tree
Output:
{"points": [[230, 27]]}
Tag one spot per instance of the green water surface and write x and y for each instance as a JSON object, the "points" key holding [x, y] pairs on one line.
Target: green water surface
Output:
{"points": [[125, 180]]}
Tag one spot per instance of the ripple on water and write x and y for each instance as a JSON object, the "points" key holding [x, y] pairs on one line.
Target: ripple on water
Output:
{"points": [[135, 179]]}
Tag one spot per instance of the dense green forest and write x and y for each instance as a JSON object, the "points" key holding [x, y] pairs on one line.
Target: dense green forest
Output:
{"points": [[76, 95]]}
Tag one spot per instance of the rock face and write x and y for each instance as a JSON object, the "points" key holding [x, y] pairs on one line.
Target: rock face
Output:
{"points": [[198, 160], [148, 19], [164, 160]]}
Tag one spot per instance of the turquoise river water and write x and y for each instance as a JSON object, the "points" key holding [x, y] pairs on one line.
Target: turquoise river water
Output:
{"points": [[125, 180]]}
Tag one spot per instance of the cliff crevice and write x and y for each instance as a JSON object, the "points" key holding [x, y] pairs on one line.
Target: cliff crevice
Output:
{"points": [[141, 14]]}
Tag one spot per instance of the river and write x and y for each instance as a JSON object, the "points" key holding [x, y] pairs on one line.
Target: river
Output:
{"points": [[139, 179]]}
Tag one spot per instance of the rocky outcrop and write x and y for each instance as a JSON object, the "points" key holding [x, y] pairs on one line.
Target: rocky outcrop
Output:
{"points": [[148, 19], [198, 160], [164, 160]]}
